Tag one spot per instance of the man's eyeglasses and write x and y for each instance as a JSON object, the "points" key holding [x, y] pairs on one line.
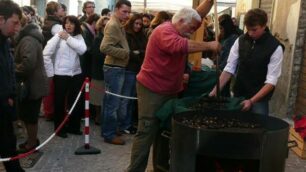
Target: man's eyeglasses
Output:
{"points": [[91, 7]]}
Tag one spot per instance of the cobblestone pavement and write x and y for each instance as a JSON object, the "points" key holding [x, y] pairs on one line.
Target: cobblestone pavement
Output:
{"points": [[58, 154]]}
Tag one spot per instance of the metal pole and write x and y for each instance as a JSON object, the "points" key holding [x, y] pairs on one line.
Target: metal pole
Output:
{"points": [[145, 6], [216, 25]]}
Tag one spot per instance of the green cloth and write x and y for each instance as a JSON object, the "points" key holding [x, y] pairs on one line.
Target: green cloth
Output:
{"points": [[175, 106], [199, 85], [200, 82]]}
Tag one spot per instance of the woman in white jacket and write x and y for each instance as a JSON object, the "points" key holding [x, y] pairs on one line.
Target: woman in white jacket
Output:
{"points": [[62, 62]]}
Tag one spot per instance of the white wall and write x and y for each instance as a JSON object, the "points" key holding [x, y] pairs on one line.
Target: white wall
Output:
{"points": [[242, 6], [22, 2], [285, 21], [100, 4]]}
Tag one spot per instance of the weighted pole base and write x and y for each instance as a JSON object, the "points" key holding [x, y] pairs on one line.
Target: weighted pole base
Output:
{"points": [[87, 150]]}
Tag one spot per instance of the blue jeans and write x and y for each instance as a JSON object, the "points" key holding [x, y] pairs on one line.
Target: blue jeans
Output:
{"points": [[261, 108], [128, 105], [114, 83]]}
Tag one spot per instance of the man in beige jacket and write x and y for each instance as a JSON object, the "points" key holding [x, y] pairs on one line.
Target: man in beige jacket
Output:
{"points": [[115, 46]]}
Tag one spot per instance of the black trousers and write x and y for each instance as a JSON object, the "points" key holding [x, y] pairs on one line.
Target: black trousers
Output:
{"points": [[66, 89], [7, 137]]}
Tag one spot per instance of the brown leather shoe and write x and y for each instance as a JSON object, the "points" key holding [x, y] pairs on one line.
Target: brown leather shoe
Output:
{"points": [[116, 141]]}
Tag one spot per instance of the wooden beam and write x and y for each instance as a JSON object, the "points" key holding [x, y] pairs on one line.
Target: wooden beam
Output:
{"points": [[195, 3], [195, 58]]}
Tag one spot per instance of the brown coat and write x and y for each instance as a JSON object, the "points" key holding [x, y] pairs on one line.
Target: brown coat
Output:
{"points": [[114, 44], [29, 64]]}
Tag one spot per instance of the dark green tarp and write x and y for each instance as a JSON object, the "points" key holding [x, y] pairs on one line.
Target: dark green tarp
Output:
{"points": [[199, 85]]}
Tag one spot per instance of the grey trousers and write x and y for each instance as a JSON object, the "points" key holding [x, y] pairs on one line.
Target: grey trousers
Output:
{"points": [[148, 126]]}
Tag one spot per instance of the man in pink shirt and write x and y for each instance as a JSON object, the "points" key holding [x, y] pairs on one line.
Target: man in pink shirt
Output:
{"points": [[161, 75]]}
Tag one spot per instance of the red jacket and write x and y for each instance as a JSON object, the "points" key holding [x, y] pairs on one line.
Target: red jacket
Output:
{"points": [[165, 60]]}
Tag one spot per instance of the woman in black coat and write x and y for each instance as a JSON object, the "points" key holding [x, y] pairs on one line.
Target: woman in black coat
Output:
{"points": [[89, 34], [97, 77], [137, 43]]}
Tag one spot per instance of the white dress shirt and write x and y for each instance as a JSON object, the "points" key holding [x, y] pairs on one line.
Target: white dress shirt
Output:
{"points": [[274, 66]]}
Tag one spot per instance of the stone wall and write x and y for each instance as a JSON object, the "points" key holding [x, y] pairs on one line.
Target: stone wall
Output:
{"points": [[298, 58]]}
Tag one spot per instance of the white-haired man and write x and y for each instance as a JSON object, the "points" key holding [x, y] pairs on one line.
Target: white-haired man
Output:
{"points": [[161, 75]]}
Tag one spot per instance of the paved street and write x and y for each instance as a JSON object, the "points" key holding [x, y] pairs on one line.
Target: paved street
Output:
{"points": [[58, 154]]}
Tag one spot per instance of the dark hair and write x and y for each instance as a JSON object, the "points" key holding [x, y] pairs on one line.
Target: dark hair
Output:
{"points": [[32, 10], [224, 17], [226, 22], [8, 8], [26, 9], [255, 17], [99, 24], [63, 6], [85, 5], [147, 16], [92, 18], [75, 21], [123, 2], [160, 17], [29, 10], [105, 11], [52, 7], [130, 23]]}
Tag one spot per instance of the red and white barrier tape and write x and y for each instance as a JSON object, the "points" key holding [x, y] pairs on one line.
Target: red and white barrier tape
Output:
{"points": [[52, 135], [86, 129], [107, 92], [121, 96]]}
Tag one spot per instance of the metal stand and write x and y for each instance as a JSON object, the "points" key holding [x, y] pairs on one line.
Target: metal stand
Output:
{"points": [[87, 149], [84, 150]]}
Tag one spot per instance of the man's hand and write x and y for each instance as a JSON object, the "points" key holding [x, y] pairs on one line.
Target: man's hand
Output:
{"points": [[63, 35], [246, 105], [213, 93], [185, 78], [214, 46], [10, 102]]}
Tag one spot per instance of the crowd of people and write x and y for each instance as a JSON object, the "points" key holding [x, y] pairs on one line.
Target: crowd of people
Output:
{"points": [[44, 63]]}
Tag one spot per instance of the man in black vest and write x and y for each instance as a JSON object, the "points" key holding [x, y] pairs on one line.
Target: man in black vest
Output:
{"points": [[256, 60]]}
